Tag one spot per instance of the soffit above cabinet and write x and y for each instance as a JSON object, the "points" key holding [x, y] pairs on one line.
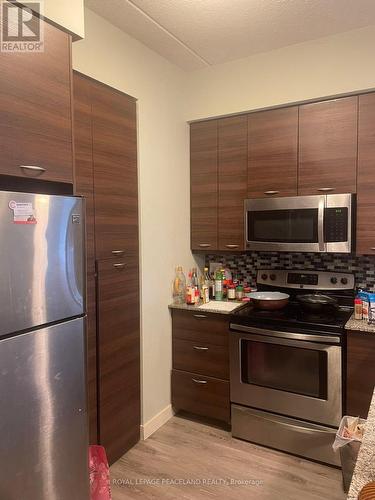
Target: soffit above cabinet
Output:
{"points": [[197, 33]]}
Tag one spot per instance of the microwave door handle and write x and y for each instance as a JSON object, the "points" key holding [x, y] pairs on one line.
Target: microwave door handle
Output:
{"points": [[321, 208]]}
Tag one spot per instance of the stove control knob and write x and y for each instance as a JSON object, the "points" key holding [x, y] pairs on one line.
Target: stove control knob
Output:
{"points": [[264, 276], [333, 280], [272, 277], [344, 281]]}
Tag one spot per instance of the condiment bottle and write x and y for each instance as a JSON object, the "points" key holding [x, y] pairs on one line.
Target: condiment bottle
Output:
{"points": [[358, 308], [231, 292], [219, 285], [239, 292]]}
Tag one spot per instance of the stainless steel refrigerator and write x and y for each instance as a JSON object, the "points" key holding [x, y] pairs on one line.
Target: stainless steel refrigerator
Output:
{"points": [[43, 416]]}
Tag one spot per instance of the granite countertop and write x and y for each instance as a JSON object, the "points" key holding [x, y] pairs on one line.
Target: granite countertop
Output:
{"points": [[210, 307], [364, 471], [359, 325]]}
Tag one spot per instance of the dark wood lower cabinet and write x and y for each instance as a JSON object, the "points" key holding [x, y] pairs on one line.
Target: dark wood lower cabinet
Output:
{"points": [[205, 396], [119, 355], [201, 357], [200, 375], [360, 372]]}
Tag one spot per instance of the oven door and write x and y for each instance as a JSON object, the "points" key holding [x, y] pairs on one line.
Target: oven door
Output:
{"points": [[292, 224], [285, 373]]}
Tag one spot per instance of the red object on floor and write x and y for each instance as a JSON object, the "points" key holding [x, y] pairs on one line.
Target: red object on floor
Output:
{"points": [[100, 488]]}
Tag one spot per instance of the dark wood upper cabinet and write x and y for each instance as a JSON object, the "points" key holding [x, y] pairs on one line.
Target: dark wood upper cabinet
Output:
{"points": [[232, 181], [115, 172], [360, 372], [203, 181], [366, 175], [328, 146], [84, 186], [35, 109], [119, 355], [272, 154]]}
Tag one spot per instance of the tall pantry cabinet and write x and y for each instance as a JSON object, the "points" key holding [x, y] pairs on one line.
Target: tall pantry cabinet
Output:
{"points": [[106, 174]]}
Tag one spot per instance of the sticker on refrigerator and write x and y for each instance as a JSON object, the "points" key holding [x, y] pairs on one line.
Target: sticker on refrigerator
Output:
{"points": [[23, 213]]}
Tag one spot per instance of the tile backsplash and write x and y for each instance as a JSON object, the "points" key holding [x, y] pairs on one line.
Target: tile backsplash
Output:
{"points": [[245, 266]]}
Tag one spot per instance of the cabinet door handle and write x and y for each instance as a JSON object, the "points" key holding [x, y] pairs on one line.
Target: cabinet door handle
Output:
{"points": [[373, 249], [33, 168], [117, 252], [197, 381], [232, 246], [271, 192], [326, 190], [200, 316], [119, 266], [199, 348], [204, 245]]}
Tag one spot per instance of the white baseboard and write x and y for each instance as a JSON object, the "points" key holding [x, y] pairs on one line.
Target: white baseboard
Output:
{"points": [[148, 428]]}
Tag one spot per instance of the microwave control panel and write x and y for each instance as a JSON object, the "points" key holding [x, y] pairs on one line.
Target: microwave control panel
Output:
{"points": [[335, 224]]}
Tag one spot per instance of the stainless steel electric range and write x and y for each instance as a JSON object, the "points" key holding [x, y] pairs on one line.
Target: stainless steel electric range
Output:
{"points": [[286, 378]]}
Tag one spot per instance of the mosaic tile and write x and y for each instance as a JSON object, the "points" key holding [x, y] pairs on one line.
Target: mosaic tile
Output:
{"points": [[245, 266]]}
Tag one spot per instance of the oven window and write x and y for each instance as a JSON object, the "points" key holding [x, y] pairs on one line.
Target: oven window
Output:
{"points": [[291, 369], [284, 226]]}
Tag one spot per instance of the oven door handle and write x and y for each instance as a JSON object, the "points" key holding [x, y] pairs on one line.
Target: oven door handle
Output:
{"points": [[275, 336], [321, 208]]}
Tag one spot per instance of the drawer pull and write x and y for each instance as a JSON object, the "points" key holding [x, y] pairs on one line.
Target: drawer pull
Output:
{"points": [[270, 193], [373, 249], [117, 252], [197, 381], [200, 316], [204, 245], [119, 266], [33, 168], [199, 348], [232, 246], [326, 190]]}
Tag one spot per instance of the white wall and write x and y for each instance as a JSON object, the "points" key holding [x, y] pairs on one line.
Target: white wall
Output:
{"points": [[325, 67], [113, 57]]}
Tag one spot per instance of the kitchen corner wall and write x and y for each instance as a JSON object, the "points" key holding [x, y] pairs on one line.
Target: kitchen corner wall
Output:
{"points": [[245, 266], [110, 56], [328, 66], [167, 97]]}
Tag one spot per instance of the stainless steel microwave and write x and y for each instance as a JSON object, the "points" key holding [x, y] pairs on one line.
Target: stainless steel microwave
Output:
{"points": [[320, 223]]}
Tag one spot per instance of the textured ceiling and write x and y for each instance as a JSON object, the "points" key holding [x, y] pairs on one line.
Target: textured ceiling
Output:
{"points": [[198, 33]]}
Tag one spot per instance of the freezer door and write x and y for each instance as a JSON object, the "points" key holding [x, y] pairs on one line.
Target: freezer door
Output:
{"points": [[41, 260], [43, 418]]}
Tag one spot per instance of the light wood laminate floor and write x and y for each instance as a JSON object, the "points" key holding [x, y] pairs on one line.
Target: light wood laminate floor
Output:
{"points": [[189, 460]]}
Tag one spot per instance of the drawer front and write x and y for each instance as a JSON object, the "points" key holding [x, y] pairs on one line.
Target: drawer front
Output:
{"points": [[201, 327], [202, 358], [284, 433], [201, 395]]}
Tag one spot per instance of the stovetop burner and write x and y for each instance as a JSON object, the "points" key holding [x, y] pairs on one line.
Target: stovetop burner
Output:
{"points": [[293, 317]]}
